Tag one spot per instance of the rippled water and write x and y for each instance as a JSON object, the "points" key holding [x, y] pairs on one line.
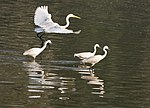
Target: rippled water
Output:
{"points": [[56, 78]]}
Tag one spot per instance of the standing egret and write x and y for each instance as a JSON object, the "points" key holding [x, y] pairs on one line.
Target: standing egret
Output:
{"points": [[36, 51], [97, 58], [85, 55], [44, 21]]}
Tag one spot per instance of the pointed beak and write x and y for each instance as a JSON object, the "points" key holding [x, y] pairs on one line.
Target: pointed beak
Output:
{"points": [[77, 17], [100, 47]]}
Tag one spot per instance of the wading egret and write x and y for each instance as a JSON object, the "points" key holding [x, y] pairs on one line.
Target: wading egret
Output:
{"points": [[97, 58], [44, 21], [85, 55], [36, 51]]}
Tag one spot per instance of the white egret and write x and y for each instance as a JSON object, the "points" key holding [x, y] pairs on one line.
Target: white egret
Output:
{"points": [[97, 58], [44, 21], [36, 51], [85, 55]]}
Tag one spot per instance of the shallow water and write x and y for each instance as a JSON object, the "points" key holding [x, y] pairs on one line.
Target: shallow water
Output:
{"points": [[56, 78]]}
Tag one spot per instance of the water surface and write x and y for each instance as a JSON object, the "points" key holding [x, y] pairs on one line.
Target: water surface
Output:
{"points": [[56, 78]]}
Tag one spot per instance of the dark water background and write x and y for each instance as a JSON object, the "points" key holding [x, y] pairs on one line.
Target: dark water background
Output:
{"points": [[121, 80]]}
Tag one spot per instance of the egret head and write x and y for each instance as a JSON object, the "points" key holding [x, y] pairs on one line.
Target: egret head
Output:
{"points": [[97, 45], [48, 41], [73, 16], [106, 47]]}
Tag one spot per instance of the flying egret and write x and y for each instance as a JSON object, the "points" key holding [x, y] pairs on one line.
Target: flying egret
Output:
{"points": [[97, 58], [85, 55], [36, 51], [44, 21]]}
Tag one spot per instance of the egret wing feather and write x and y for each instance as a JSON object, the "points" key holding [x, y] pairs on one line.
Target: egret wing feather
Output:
{"points": [[93, 59], [84, 55], [57, 29], [32, 51], [42, 18]]}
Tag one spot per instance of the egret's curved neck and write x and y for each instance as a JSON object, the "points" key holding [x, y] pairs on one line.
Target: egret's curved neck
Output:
{"points": [[44, 46], [105, 52], [67, 22], [94, 50]]}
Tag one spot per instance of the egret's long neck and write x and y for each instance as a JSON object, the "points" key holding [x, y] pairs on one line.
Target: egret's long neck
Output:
{"points": [[67, 22], [94, 50], [44, 46], [105, 53]]}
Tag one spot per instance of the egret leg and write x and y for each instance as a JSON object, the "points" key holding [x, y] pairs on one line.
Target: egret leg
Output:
{"points": [[91, 70], [42, 40], [39, 35], [42, 43]]}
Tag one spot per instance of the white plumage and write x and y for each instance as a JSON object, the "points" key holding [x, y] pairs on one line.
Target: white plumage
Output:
{"points": [[42, 17], [36, 51], [97, 58], [85, 55], [45, 23]]}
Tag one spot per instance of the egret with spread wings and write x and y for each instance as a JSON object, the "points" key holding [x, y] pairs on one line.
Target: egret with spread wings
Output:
{"points": [[44, 21]]}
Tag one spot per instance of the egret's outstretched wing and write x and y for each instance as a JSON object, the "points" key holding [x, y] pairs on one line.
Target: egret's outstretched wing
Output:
{"points": [[42, 18], [57, 29]]}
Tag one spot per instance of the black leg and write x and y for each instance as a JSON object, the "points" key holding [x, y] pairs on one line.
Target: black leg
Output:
{"points": [[91, 70], [42, 43], [39, 35], [42, 40]]}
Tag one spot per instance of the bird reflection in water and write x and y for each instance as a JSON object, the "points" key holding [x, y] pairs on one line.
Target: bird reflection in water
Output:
{"points": [[98, 84], [36, 74], [32, 66], [39, 80]]}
